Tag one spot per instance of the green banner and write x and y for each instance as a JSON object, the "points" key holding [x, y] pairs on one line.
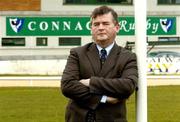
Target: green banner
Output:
{"points": [[80, 26]]}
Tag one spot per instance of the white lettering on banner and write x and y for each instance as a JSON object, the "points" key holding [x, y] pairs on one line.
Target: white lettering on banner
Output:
{"points": [[31, 25], [131, 26], [55, 26], [43, 26], [78, 26], [148, 24], [123, 26], [88, 26], [66, 25], [155, 27]]}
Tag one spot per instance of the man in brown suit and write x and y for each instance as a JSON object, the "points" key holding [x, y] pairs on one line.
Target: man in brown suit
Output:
{"points": [[99, 76]]}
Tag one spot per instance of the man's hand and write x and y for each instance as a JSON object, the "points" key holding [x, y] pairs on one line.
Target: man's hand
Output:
{"points": [[112, 100], [85, 82]]}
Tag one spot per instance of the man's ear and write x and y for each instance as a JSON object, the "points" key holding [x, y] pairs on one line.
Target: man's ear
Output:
{"points": [[117, 28]]}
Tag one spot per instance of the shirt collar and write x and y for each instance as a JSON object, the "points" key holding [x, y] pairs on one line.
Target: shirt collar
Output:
{"points": [[108, 48]]}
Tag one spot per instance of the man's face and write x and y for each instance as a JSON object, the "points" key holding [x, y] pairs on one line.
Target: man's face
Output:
{"points": [[104, 29]]}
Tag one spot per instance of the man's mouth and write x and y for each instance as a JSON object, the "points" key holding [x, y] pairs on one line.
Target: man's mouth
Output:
{"points": [[101, 33]]}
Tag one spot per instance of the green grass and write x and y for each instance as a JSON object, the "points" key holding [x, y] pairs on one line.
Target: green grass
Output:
{"points": [[19, 104], [31, 105], [164, 104]]}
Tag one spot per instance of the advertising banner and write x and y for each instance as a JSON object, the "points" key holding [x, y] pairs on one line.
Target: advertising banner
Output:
{"points": [[163, 62], [80, 26]]}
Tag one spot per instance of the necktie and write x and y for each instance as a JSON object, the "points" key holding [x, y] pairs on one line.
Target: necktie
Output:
{"points": [[103, 56], [91, 116]]}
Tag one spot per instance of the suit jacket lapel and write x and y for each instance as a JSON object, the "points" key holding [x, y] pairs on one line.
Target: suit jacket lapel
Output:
{"points": [[94, 59], [110, 61]]}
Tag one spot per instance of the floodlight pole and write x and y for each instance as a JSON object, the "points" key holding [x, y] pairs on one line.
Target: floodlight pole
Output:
{"points": [[141, 49]]}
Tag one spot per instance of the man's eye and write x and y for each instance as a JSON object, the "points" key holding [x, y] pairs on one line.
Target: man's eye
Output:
{"points": [[106, 24], [95, 24]]}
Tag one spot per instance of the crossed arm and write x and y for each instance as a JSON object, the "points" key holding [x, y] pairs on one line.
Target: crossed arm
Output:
{"points": [[109, 99]]}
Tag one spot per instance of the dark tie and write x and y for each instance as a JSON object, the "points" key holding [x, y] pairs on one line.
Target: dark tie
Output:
{"points": [[103, 56]]}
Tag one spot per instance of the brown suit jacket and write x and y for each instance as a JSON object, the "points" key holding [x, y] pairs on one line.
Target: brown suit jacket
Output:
{"points": [[117, 78]]}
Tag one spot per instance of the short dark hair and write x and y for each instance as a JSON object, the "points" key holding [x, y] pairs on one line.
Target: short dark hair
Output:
{"points": [[104, 10]]}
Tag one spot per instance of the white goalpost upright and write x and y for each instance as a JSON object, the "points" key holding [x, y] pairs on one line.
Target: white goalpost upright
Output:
{"points": [[141, 50]]}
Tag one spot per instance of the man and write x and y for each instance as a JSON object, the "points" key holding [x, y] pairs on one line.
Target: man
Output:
{"points": [[100, 76]]}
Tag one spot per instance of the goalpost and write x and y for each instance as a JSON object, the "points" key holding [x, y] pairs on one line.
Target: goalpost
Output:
{"points": [[141, 49]]}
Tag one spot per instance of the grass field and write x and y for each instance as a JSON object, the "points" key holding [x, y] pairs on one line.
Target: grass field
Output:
{"points": [[48, 105]]}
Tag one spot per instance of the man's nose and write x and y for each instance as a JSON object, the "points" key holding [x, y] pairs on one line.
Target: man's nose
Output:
{"points": [[101, 26]]}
